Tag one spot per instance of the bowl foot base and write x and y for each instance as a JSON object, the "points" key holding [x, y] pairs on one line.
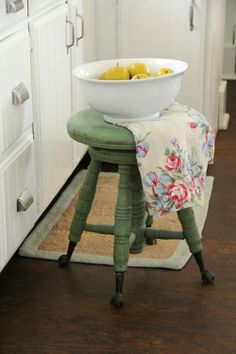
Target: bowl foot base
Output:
{"points": [[118, 119]]}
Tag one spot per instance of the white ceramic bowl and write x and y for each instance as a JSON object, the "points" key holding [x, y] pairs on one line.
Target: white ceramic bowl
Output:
{"points": [[130, 100]]}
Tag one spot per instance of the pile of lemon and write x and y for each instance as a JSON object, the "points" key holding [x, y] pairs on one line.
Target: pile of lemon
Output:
{"points": [[135, 71]]}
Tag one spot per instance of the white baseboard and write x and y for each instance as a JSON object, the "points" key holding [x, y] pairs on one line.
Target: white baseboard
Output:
{"points": [[225, 121], [223, 118]]}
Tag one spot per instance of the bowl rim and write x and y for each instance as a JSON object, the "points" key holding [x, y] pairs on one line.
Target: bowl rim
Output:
{"points": [[75, 70]]}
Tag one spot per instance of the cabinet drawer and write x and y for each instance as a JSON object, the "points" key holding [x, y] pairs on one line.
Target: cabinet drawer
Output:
{"points": [[18, 203], [15, 88], [12, 12], [35, 6]]}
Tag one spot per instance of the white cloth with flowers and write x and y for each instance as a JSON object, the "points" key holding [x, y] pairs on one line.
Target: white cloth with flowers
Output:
{"points": [[173, 154]]}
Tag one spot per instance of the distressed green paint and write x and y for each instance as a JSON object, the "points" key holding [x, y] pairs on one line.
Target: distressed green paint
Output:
{"points": [[114, 144], [138, 211], [89, 127], [85, 200], [123, 219], [190, 229]]}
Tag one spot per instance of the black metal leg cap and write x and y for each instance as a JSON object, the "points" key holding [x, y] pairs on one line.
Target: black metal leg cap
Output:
{"points": [[207, 277], [117, 300], [63, 260]]}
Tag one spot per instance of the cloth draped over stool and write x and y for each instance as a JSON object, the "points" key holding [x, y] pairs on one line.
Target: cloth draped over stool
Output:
{"points": [[173, 154]]}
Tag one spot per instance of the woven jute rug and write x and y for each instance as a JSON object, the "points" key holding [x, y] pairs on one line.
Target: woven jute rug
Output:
{"points": [[50, 238]]}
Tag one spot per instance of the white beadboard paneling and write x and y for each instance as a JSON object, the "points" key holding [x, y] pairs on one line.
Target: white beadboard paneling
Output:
{"points": [[83, 51], [51, 77], [14, 69], [189, 46], [133, 29], [214, 59], [36, 6], [160, 28], [106, 40]]}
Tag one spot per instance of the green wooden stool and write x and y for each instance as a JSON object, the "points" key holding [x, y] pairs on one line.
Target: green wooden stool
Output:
{"points": [[116, 145]]}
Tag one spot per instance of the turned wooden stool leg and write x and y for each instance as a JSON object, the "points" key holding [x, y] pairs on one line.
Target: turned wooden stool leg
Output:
{"points": [[122, 228], [82, 209], [138, 212], [193, 239]]}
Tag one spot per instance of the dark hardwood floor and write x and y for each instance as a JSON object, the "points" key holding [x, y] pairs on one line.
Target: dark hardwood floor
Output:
{"points": [[48, 310]]}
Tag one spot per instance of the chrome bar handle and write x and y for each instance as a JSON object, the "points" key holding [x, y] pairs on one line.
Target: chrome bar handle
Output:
{"points": [[68, 46], [19, 94], [14, 5], [191, 15], [82, 27], [234, 29], [24, 201]]}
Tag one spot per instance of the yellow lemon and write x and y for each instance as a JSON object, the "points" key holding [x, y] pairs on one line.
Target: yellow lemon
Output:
{"points": [[140, 77], [116, 73], [138, 68], [103, 77], [163, 71]]}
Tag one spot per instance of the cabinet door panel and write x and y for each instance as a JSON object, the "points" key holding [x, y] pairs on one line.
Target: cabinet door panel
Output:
{"points": [[14, 70], [161, 28], [106, 41], [189, 46], [143, 28], [18, 175], [77, 53], [81, 12], [51, 76]]}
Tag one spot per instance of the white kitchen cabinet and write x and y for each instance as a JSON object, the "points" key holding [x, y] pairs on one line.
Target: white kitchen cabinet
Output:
{"points": [[51, 78], [58, 39], [162, 28], [36, 153], [18, 202], [81, 15], [15, 117], [17, 163]]}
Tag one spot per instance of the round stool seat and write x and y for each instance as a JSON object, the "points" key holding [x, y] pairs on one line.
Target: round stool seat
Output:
{"points": [[89, 127]]}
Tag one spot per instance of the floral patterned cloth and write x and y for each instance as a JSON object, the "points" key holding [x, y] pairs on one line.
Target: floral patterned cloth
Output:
{"points": [[173, 153]]}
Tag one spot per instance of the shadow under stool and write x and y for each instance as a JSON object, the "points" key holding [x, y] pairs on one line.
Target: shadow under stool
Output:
{"points": [[132, 224]]}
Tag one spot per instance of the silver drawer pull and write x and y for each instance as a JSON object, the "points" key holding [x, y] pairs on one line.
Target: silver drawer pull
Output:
{"points": [[14, 5], [82, 27], [191, 15], [19, 94], [68, 33], [24, 200]]}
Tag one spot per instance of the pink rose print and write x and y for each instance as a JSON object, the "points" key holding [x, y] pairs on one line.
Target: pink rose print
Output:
{"points": [[151, 180], [192, 125], [141, 148], [173, 162], [178, 193]]}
